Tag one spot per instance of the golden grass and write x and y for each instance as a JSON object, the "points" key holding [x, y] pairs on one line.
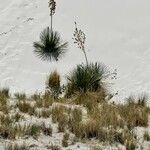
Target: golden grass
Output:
{"points": [[26, 107]]}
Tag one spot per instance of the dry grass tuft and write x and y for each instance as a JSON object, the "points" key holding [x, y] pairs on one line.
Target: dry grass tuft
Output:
{"points": [[45, 113], [26, 107], [15, 146], [20, 96], [4, 92], [44, 101], [3, 103]]}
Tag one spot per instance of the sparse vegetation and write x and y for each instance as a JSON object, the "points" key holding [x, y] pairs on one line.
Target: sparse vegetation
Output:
{"points": [[20, 96], [44, 101], [26, 107], [54, 147], [84, 111], [15, 146], [4, 92]]}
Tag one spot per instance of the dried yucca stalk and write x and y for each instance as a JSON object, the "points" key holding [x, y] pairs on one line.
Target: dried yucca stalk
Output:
{"points": [[52, 6]]}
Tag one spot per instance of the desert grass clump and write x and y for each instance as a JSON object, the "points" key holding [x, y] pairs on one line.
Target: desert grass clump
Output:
{"points": [[54, 147], [3, 104], [63, 122], [35, 96], [44, 101], [45, 113], [15, 146], [4, 92], [26, 107], [87, 78], [65, 140], [13, 131], [74, 121], [26, 130], [146, 136], [134, 114], [57, 112], [107, 115], [20, 96], [34, 131], [53, 84], [47, 130], [60, 115], [140, 100], [17, 117], [91, 100]]}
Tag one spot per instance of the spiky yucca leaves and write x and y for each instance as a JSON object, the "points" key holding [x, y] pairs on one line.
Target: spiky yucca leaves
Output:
{"points": [[87, 78], [50, 47], [53, 84]]}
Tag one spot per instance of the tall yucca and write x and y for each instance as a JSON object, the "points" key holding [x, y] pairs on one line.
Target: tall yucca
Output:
{"points": [[50, 47]]}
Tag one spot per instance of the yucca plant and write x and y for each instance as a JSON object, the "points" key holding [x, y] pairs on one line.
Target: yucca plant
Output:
{"points": [[87, 78], [50, 47]]}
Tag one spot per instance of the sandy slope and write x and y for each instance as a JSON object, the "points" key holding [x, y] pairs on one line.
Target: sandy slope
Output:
{"points": [[117, 34]]}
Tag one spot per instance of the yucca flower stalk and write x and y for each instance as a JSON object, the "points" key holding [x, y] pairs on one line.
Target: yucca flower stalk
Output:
{"points": [[79, 38], [52, 7]]}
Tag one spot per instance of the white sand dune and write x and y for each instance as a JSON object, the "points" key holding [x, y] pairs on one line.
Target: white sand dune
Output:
{"points": [[118, 34]]}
